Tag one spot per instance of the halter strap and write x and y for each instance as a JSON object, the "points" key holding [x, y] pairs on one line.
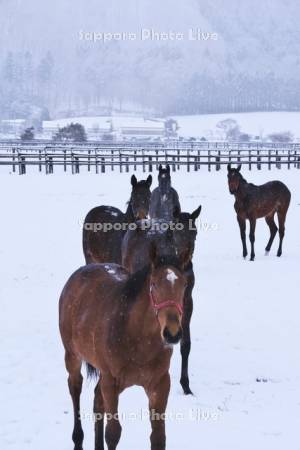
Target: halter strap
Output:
{"points": [[158, 306]]}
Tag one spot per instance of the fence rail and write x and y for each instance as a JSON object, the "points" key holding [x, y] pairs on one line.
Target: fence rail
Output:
{"points": [[103, 157]]}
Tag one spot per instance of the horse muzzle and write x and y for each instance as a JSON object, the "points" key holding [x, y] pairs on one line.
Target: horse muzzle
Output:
{"points": [[171, 338], [141, 214]]}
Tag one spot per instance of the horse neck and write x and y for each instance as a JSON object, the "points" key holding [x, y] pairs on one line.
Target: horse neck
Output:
{"points": [[242, 190], [143, 314], [165, 192]]}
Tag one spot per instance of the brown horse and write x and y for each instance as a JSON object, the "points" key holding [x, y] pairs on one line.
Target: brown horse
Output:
{"points": [[254, 202], [135, 254], [104, 244], [124, 326]]}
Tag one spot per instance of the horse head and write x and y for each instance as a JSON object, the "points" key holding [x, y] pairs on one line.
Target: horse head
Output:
{"points": [[164, 179], [167, 287], [140, 197], [234, 178]]}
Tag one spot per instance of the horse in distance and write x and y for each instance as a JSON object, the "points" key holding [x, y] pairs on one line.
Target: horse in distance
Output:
{"points": [[164, 198], [254, 202]]}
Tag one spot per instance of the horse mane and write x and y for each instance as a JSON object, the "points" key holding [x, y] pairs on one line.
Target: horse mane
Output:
{"points": [[136, 281], [134, 285], [243, 180]]}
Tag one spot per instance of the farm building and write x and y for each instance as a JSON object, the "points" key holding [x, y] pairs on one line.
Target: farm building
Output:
{"points": [[110, 127], [95, 127]]}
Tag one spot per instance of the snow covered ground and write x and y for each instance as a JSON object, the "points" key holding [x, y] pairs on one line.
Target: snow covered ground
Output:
{"points": [[245, 326], [256, 124]]}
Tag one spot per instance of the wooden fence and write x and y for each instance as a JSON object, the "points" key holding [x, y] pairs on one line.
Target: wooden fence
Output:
{"points": [[123, 157]]}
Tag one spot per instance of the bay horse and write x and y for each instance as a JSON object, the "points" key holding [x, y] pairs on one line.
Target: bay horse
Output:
{"points": [[254, 202], [104, 245], [124, 326], [135, 254], [164, 198]]}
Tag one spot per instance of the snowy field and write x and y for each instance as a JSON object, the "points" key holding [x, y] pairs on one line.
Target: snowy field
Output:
{"points": [[256, 124], [245, 359]]}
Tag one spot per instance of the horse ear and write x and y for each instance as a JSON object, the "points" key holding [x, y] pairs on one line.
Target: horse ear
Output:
{"points": [[176, 212], [152, 252], [160, 168], [168, 168], [133, 181], [239, 167], [229, 167], [149, 180], [196, 213]]}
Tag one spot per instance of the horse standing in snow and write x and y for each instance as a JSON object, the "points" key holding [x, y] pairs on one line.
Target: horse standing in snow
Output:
{"points": [[101, 245], [164, 199], [123, 326], [254, 202], [135, 254]]}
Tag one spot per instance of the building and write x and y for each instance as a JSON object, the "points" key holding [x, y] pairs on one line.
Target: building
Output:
{"points": [[118, 128]]}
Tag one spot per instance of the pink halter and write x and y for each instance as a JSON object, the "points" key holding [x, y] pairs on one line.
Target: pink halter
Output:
{"points": [[158, 306]]}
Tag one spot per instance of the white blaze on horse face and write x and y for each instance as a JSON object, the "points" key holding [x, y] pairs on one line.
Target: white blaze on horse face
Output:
{"points": [[171, 276], [164, 198], [163, 175]]}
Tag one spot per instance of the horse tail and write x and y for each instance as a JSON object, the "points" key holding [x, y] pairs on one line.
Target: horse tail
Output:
{"points": [[91, 371]]}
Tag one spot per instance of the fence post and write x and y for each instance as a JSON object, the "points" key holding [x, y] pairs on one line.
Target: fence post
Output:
{"points": [[134, 159], [150, 164], [102, 165], [22, 165], [40, 160], [258, 160], [76, 164], [89, 160], [65, 160], [96, 162], [143, 160], [174, 164], [120, 162], [50, 164], [112, 161], [13, 158]]}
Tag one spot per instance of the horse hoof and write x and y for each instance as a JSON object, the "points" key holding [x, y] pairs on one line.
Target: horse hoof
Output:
{"points": [[186, 388], [279, 254], [252, 258], [187, 391], [267, 252]]}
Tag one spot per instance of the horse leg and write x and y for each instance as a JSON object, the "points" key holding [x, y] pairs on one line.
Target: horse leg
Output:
{"points": [[73, 366], [99, 417], [110, 395], [273, 230], [185, 344], [252, 237], [242, 224], [281, 222], [158, 399]]}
